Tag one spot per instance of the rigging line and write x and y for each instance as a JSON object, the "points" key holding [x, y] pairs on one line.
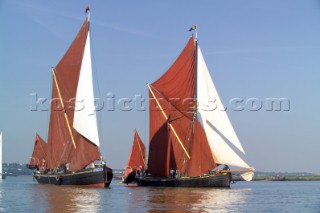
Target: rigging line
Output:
{"points": [[170, 125], [177, 118]]}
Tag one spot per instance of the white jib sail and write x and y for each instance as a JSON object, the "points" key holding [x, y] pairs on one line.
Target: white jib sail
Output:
{"points": [[0, 153], [85, 119], [247, 176], [215, 120]]}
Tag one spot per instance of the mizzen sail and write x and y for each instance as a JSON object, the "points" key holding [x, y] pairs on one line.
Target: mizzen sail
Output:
{"points": [[39, 152], [137, 157]]}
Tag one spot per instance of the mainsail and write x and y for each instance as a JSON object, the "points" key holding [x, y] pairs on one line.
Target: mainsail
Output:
{"points": [[39, 152], [177, 138], [69, 87], [177, 141], [137, 157]]}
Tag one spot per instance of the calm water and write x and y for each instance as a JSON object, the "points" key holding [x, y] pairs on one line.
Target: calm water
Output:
{"points": [[21, 194]]}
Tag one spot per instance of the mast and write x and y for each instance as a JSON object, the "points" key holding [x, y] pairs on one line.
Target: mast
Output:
{"points": [[195, 87], [88, 12], [194, 27], [196, 72]]}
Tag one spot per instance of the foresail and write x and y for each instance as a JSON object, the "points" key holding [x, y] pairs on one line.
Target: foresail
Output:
{"points": [[210, 106], [85, 120], [137, 157], [215, 120], [222, 153], [247, 176]]}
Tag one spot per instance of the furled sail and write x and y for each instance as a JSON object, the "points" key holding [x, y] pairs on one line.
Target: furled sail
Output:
{"points": [[60, 149], [177, 141], [215, 121], [39, 152], [85, 120], [137, 157]]}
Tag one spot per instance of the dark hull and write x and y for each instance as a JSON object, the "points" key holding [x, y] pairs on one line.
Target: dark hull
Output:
{"points": [[97, 177], [130, 178], [213, 180]]}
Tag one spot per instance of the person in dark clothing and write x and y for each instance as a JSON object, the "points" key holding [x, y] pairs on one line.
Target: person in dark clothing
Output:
{"points": [[226, 167]]}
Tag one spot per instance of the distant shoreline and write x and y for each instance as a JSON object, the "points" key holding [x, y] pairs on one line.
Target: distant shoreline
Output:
{"points": [[283, 178], [20, 169], [255, 179]]}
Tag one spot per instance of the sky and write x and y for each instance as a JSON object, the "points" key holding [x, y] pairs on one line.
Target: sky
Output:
{"points": [[255, 51]]}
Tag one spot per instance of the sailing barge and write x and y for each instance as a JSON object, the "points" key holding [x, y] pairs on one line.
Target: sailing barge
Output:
{"points": [[188, 133], [72, 153], [136, 161]]}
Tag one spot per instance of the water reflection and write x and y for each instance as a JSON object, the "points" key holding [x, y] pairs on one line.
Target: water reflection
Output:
{"points": [[222, 200], [20, 194], [119, 198], [53, 198], [195, 199], [2, 209]]}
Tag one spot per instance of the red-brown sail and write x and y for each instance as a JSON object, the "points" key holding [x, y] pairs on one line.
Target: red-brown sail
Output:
{"points": [[174, 93], [137, 155], [39, 152], [60, 148], [177, 85]]}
